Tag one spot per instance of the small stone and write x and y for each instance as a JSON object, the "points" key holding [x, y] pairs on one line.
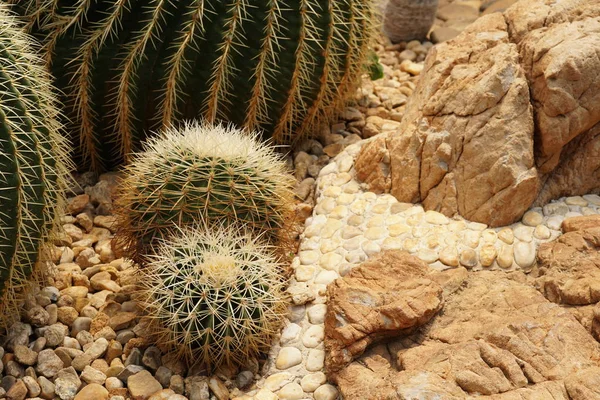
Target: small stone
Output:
{"points": [[523, 233], [196, 388], [92, 375], [15, 369], [331, 261], [33, 387], [305, 273], [218, 388], [18, 391], [428, 255], [24, 355], [176, 384], [92, 391], [66, 384], [8, 382], [436, 218], [129, 371], [55, 334], [265, 394], [506, 235], [308, 257], [525, 254], [134, 357], [122, 320], [576, 201], [487, 255], [532, 218], [244, 379], [291, 391], [313, 336], [468, 258], [376, 233], [315, 360], [142, 385], [326, 277], [48, 363], [316, 313], [80, 324], [113, 383], [311, 382], [449, 256], [541, 232], [38, 316], [152, 358], [471, 239], [288, 357], [505, 256], [84, 337], [326, 392], [290, 333], [75, 291], [46, 387]]}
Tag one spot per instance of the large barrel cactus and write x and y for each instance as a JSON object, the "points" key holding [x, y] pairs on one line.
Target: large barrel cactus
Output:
{"points": [[32, 162], [129, 67]]}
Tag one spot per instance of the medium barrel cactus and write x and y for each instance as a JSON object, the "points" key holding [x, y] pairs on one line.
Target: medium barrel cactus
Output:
{"points": [[204, 172], [32, 163], [129, 67], [215, 296]]}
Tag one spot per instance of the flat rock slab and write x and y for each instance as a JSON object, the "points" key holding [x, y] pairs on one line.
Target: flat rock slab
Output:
{"points": [[385, 296], [496, 336]]}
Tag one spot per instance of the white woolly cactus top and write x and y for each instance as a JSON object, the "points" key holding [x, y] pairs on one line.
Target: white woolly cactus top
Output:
{"points": [[216, 295], [222, 141]]}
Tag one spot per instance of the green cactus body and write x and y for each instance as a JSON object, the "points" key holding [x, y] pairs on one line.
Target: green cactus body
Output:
{"points": [[129, 67], [216, 174], [33, 163], [215, 296]]}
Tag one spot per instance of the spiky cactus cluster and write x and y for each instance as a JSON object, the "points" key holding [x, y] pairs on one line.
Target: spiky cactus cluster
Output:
{"points": [[216, 296], [129, 67], [33, 163], [204, 172]]}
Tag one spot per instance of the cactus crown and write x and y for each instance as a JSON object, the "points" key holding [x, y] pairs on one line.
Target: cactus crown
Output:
{"points": [[33, 162], [129, 67], [216, 296], [215, 173]]}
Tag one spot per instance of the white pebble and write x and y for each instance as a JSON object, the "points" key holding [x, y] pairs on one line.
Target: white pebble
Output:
{"points": [[291, 391], [315, 360], [311, 382], [326, 392], [290, 333], [288, 357], [313, 336], [316, 313], [524, 254]]}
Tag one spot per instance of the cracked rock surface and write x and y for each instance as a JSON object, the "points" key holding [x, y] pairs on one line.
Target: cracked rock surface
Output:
{"points": [[504, 116]]}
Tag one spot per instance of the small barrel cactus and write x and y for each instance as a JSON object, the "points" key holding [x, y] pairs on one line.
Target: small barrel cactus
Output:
{"points": [[33, 163], [130, 67], [215, 297], [204, 172]]}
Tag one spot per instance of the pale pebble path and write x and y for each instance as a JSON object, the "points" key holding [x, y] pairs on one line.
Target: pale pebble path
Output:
{"points": [[348, 226]]}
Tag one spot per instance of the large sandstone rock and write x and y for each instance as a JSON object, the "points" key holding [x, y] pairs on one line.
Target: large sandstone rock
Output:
{"points": [[385, 296], [497, 336], [506, 113]]}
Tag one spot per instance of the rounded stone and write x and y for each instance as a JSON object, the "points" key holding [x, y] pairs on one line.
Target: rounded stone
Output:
{"points": [[541, 232], [532, 218], [523, 233], [290, 333], [326, 277], [315, 360], [331, 261], [308, 257], [351, 232], [92, 392], [288, 357], [487, 254], [291, 391], [377, 220], [576, 201], [376, 233], [468, 258], [371, 248], [525, 254], [316, 313], [313, 336], [113, 383], [505, 256], [506, 235], [392, 243], [410, 245], [471, 238], [428, 255], [311, 382], [326, 392], [449, 256], [305, 273], [489, 236], [436, 218]]}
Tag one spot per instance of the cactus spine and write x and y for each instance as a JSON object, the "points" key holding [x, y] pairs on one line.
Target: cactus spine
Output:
{"points": [[33, 163], [216, 297], [216, 174], [129, 67]]}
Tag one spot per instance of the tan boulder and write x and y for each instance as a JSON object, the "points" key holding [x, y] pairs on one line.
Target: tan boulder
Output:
{"points": [[506, 113], [385, 296], [568, 269], [496, 336]]}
